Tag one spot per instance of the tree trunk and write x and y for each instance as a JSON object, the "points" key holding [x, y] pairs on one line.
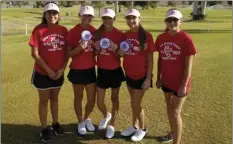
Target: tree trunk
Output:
{"points": [[131, 3], [195, 10], [116, 7], [203, 9]]}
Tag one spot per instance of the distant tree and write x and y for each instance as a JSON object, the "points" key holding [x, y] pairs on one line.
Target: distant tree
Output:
{"points": [[142, 4], [229, 3], [109, 2], [66, 3], [171, 3], [212, 3], [153, 4], [18, 3], [98, 4], [126, 4]]}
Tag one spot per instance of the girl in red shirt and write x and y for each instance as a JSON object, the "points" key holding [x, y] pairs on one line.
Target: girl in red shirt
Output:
{"points": [[48, 46], [82, 68], [176, 50], [110, 73], [138, 66]]}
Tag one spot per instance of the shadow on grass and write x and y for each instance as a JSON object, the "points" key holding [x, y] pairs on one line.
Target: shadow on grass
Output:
{"points": [[29, 134], [195, 31], [34, 12]]}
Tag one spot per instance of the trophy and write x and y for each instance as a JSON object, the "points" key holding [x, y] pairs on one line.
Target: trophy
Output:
{"points": [[86, 35], [124, 46], [105, 43]]}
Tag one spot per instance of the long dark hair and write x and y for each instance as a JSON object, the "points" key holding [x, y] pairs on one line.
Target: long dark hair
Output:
{"points": [[99, 32], [142, 37], [44, 20]]}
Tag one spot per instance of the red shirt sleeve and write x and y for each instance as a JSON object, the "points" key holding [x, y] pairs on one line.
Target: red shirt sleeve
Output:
{"points": [[157, 44], [189, 48], [150, 43], [34, 39]]}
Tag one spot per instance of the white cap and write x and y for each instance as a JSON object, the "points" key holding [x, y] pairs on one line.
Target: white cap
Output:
{"points": [[51, 6], [132, 12], [174, 13], [108, 12], [86, 10]]}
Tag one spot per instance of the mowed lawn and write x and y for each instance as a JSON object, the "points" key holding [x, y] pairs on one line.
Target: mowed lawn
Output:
{"points": [[206, 113]]}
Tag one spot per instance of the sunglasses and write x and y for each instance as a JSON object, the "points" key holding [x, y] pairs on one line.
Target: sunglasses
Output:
{"points": [[53, 12], [106, 18], [88, 15], [169, 20], [131, 17]]}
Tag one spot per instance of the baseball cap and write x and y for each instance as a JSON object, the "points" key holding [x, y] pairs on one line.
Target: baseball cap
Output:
{"points": [[51, 6], [108, 12], [174, 13], [132, 12], [86, 10]]}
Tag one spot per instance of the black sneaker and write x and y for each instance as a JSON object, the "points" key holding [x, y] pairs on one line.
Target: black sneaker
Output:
{"points": [[165, 139], [57, 129], [46, 135]]}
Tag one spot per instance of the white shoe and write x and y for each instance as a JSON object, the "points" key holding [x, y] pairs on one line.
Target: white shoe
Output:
{"points": [[104, 122], [128, 132], [89, 125], [81, 128], [139, 135], [110, 132]]}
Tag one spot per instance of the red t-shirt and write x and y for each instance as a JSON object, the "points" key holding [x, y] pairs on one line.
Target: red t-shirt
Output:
{"points": [[51, 43], [172, 51], [135, 61], [107, 59], [85, 59]]}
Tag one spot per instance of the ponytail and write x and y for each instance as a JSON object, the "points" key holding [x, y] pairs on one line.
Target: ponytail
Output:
{"points": [[142, 37], [99, 32]]}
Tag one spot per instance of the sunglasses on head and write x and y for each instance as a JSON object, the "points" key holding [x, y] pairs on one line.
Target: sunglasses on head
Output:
{"points": [[130, 17], [106, 18], [169, 20]]}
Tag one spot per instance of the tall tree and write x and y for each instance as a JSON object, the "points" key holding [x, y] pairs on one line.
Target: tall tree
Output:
{"points": [[99, 5]]}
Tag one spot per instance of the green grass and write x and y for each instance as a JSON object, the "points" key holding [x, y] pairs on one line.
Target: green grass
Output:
{"points": [[206, 113]]}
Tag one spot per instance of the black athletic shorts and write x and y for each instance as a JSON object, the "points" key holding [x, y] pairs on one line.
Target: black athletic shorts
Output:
{"points": [[168, 90], [82, 76], [110, 78], [43, 82], [136, 84]]}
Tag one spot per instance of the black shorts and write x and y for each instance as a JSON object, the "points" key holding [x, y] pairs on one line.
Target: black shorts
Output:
{"points": [[136, 84], [110, 78], [168, 90], [79, 76], [43, 82]]}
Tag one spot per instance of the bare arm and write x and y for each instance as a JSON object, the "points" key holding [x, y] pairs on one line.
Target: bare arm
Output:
{"points": [[187, 70], [40, 62], [73, 51], [149, 66], [159, 68]]}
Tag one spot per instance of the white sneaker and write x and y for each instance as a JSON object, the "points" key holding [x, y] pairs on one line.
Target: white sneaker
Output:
{"points": [[128, 132], [139, 135], [110, 132], [81, 128], [104, 122], [89, 125]]}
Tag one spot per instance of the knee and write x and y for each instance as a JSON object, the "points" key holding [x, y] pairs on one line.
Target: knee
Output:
{"points": [[43, 102], [175, 113]]}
